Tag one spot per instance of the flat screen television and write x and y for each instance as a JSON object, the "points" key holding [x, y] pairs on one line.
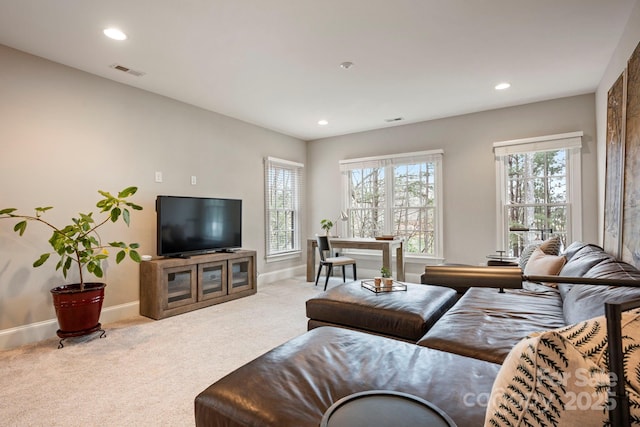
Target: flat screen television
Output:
{"points": [[193, 225]]}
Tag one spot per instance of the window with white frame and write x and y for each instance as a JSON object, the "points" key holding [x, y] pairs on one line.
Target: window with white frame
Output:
{"points": [[539, 190], [283, 184], [399, 195]]}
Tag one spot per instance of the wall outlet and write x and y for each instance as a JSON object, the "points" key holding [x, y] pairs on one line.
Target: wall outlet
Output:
{"points": [[158, 176], [194, 180]]}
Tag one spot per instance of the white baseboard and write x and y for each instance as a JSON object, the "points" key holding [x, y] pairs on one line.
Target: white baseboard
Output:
{"points": [[38, 331], [34, 332], [285, 273], [301, 271]]}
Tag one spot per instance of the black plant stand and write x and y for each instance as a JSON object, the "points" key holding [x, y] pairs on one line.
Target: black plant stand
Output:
{"points": [[64, 335]]}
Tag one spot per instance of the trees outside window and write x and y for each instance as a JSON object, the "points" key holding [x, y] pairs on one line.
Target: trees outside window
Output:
{"points": [[366, 209], [539, 190], [396, 195]]}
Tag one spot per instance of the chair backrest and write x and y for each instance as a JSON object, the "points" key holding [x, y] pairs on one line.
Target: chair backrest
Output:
{"points": [[323, 246]]}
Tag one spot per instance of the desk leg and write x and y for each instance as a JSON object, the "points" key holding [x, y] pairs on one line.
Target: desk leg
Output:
{"points": [[311, 261], [400, 262], [386, 257]]}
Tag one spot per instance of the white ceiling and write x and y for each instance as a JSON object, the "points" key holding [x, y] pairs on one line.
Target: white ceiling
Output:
{"points": [[275, 63]]}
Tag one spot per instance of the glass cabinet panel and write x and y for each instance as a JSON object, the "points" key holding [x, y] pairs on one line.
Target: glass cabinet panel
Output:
{"points": [[240, 274], [180, 286], [212, 278], [172, 286]]}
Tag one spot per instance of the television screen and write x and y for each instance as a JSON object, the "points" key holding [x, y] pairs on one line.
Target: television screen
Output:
{"points": [[191, 225]]}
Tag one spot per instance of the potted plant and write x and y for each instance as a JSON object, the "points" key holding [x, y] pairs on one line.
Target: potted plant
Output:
{"points": [[326, 225], [78, 246], [386, 276]]}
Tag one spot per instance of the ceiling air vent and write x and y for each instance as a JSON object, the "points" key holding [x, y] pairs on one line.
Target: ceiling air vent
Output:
{"points": [[395, 119], [127, 70]]}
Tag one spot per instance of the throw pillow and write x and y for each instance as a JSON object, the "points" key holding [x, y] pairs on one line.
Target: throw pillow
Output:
{"points": [[561, 378], [551, 246], [541, 264]]}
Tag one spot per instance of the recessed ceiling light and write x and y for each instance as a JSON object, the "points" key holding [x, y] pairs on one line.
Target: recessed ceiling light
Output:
{"points": [[323, 122], [114, 33], [502, 86], [346, 65]]}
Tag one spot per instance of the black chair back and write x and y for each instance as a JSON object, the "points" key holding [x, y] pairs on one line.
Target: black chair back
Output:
{"points": [[323, 246]]}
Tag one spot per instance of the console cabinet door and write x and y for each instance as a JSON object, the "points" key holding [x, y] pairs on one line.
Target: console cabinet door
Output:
{"points": [[241, 274], [180, 285], [171, 286], [212, 278]]}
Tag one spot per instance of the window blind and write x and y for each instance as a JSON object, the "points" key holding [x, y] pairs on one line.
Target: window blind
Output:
{"points": [[283, 204], [562, 141], [395, 159]]}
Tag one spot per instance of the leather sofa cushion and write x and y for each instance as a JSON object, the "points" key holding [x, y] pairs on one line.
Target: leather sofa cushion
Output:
{"points": [[407, 315], [584, 302], [486, 324], [581, 257], [295, 383], [313, 324], [577, 246]]}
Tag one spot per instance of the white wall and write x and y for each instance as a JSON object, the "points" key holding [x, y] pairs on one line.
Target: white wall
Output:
{"points": [[628, 42], [64, 134], [52, 115], [469, 171]]}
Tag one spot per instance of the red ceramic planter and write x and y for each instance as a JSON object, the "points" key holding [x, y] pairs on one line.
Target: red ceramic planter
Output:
{"points": [[78, 311]]}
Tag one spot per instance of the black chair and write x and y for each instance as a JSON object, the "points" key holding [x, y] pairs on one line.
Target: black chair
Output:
{"points": [[327, 260]]}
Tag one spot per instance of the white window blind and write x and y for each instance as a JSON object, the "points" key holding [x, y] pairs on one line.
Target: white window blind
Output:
{"points": [[283, 187], [394, 159], [562, 141]]}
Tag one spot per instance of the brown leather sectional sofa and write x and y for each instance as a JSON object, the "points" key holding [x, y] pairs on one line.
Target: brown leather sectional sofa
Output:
{"points": [[453, 365]]}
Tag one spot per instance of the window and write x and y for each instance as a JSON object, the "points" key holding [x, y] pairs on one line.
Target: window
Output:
{"points": [[283, 184], [396, 195], [539, 190]]}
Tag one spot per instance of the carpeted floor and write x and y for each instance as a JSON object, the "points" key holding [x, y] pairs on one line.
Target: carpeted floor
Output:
{"points": [[146, 372]]}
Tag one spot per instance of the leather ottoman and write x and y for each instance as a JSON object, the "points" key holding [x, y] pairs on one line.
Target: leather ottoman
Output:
{"points": [[405, 315]]}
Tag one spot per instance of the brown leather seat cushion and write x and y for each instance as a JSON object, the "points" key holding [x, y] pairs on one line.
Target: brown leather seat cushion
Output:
{"points": [[294, 384], [406, 315], [486, 324]]}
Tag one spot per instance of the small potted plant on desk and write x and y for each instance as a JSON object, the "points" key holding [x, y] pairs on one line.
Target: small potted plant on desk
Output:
{"points": [[386, 276], [326, 225], [78, 245]]}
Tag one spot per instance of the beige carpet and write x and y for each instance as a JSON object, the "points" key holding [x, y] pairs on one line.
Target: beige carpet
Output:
{"points": [[146, 372]]}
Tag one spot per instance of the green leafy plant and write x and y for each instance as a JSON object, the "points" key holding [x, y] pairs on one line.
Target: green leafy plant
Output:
{"points": [[385, 272], [326, 225], [78, 244]]}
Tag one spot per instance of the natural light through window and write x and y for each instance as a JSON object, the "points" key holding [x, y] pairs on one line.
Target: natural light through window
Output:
{"points": [[396, 195], [539, 190]]}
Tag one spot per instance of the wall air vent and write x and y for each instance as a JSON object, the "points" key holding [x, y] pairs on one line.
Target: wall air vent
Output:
{"points": [[127, 70], [395, 119]]}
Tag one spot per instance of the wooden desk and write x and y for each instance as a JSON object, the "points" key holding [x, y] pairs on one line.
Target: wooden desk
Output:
{"points": [[386, 246]]}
